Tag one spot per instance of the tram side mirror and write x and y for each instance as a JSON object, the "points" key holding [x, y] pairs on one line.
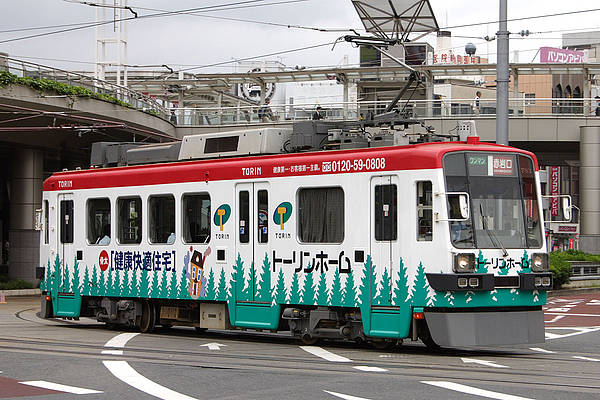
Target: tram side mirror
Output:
{"points": [[459, 206], [566, 208]]}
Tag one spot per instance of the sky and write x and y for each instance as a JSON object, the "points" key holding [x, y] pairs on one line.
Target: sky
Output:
{"points": [[195, 41]]}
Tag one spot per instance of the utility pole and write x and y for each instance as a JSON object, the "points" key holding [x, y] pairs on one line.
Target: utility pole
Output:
{"points": [[502, 78]]}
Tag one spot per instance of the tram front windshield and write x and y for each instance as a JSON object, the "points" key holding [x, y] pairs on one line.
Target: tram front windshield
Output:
{"points": [[504, 207]]}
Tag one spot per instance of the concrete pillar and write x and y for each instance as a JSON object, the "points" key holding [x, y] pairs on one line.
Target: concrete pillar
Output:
{"points": [[346, 98], [25, 197], [589, 188], [516, 104], [587, 92], [429, 95]]}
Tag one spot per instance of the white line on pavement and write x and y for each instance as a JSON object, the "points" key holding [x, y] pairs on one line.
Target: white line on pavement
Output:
{"points": [[586, 358], [319, 352], [370, 369], [457, 387], [123, 371], [554, 319], [60, 388], [573, 315], [120, 340], [541, 350], [482, 362], [344, 396], [112, 352]]}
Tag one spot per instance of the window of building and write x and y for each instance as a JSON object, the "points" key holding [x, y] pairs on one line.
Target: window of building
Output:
{"points": [[196, 218], [321, 215], [424, 212], [386, 212], [244, 216], [263, 216], [98, 221], [130, 220], [529, 99], [66, 221], [161, 224]]}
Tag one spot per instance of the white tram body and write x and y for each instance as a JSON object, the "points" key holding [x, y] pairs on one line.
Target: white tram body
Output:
{"points": [[358, 244]]}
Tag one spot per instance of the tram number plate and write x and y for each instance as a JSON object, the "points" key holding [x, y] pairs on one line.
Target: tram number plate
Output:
{"points": [[169, 312]]}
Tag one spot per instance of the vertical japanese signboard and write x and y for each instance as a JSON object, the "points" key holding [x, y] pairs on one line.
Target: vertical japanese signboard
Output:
{"points": [[555, 190]]}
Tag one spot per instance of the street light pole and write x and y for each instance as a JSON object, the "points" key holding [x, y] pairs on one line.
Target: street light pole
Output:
{"points": [[502, 78]]}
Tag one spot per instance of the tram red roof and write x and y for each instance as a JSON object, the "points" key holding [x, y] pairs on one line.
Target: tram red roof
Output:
{"points": [[411, 157]]}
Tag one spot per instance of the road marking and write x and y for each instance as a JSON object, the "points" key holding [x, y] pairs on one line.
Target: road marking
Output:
{"points": [[578, 331], [370, 369], [60, 388], [586, 358], [213, 346], [319, 352], [575, 315], [112, 352], [482, 362], [541, 350], [123, 371], [457, 387], [344, 396], [120, 340], [554, 319]]}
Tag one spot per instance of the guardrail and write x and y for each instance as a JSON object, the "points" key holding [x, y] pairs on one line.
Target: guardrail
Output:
{"points": [[444, 108], [583, 270], [134, 99]]}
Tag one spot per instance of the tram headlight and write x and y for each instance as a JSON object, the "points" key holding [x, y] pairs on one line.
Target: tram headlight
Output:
{"points": [[464, 262], [539, 262]]}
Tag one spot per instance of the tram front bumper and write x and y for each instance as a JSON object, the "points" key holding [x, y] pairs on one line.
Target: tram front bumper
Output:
{"points": [[452, 329]]}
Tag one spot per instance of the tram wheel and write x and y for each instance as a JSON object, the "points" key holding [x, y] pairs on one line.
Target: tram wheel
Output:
{"points": [[308, 339], [148, 317]]}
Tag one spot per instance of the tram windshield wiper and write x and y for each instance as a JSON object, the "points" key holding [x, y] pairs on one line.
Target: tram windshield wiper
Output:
{"points": [[493, 238]]}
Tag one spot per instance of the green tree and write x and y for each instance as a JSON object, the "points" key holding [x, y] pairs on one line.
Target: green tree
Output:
{"points": [[221, 293], [401, 293], [349, 293], [94, 282], [264, 283], [173, 290], [65, 280], [321, 291], [280, 293], [294, 293], [336, 291], [482, 267], [385, 289], [210, 286], [421, 297], [108, 288], [308, 290], [143, 292], [127, 283], [85, 283], [365, 284], [183, 289], [162, 286]]}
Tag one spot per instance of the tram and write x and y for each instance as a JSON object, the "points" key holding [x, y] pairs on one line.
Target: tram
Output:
{"points": [[439, 241]]}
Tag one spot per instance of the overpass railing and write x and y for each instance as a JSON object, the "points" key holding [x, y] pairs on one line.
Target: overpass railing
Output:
{"points": [[444, 108], [108, 91]]}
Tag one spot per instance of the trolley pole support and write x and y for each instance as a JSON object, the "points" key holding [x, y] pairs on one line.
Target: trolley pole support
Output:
{"points": [[502, 78]]}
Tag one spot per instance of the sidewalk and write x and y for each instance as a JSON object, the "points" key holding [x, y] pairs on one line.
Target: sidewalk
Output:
{"points": [[22, 292]]}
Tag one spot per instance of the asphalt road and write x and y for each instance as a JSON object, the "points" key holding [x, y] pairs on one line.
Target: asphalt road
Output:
{"points": [[90, 361]]}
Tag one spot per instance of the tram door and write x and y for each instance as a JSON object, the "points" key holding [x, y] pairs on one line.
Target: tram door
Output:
{"points": [[65, 240], [252, 238], [384, 237]]}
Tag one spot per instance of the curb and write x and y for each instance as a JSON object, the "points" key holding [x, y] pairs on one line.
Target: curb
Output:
{"points": [[22, 292]]}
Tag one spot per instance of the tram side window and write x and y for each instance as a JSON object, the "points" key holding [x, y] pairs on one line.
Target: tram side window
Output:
{"points": [[98, 221], [196, 218], [321, 215], [244, 216], [46, 222], [263, 216], [424, 212], [161, 210], [130, 220], [386, 212], [66, 221]]}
